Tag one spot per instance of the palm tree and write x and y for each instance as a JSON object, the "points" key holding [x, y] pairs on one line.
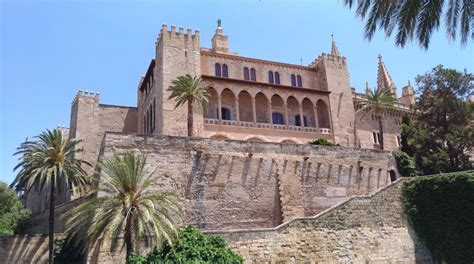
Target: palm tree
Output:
{"points": [[126, 204], [189, 89], [376, 102], [50, 162], [419, 18]]}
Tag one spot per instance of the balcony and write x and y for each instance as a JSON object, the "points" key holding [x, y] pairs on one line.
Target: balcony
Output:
{"points": [[240, 124]]}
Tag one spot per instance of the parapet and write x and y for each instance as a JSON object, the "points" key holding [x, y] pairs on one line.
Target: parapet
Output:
{"points": [[86, 94], [328, 57], [179, 35]]}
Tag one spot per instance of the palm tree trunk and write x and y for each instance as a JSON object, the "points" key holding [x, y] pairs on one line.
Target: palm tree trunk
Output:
{"points": [[190, 117], [381, 131], [128, 236], [52, 202]]}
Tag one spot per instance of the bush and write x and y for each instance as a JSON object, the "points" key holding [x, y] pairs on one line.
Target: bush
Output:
{"points": [[441, 211], [322, 142], [192, 246], [406, 165], [13, 214]]}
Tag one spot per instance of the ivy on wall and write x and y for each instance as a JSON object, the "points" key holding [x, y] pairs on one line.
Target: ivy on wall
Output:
{"points": [[441, 211]]}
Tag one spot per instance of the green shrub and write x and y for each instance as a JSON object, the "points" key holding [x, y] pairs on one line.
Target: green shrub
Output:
{"points": [[441, 211], [13, 214], [192, 246], [322, 142], [406, 165]]}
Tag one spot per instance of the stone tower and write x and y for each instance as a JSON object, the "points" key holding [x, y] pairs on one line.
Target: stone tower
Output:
{"points": [[177, 54], [335, 74], [408, 95]]}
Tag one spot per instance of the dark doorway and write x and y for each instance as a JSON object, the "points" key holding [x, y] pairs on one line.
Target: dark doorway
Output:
{"points": [[393, 176]]}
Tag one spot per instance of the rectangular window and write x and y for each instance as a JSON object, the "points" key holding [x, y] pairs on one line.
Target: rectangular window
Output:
{"points": [[376, 137]]}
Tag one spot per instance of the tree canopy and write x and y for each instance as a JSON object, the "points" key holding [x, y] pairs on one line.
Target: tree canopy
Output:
{"points": [[416, 19], [12, 212], [441, 135]]}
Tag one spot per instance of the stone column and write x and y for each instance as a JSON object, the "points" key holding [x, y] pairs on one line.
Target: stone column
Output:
{"points": [[270, 113], [285, 108], [254, 111], [219, 108], [301, 116], [237, 114], [316, 117]]}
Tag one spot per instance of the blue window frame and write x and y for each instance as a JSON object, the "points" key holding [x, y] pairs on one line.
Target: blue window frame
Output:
{"points": [[277, 118], [246, 74], [277, 77], [218, 70], [253, 74], [300, 81], [293, 80], [298, 120], [225, 72], [270, 77], [225, 113]]}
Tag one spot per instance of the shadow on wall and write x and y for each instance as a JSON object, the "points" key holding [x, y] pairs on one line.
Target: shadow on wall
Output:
{"points": [[130, 121], [24, 249]]}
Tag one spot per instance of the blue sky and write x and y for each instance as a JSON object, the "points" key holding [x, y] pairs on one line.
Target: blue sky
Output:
{"points": [[50, 49]]}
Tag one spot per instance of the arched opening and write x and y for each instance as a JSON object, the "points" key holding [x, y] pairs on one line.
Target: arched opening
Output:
{"points": [[228, 105], [299, 80], [218, 70], [225, 71], [293, 80], [308, 112], [253, 75], [255, 139], [261, 107], [212, 107], [293, 110], [270, 77], [288, 142], [246, 74], [323, 114], [277, 110], [393, 175], [219, 137], [277, 78], [245, 107]]}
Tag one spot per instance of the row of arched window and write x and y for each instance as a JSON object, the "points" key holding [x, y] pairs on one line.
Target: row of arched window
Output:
{"points": [[251, 75], [149, 119], [277, 118]]}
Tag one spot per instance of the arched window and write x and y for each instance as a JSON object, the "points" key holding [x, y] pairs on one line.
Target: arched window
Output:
{"points": [[149, 120], [293, 80], [225, 72], [277, 118], [298, 120], [277, 77], [300, 82], [218, 70], [253, 74], [246, 74], [225, 113], [270, 77], [144, 124], [323, 114]]}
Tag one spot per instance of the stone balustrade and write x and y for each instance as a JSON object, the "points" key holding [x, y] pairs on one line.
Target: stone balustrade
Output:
{"points": [[212, 121]]}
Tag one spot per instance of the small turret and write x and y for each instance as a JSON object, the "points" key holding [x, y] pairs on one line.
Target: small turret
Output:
{"points": [[219, 40], [408, 95], [334, 50]]}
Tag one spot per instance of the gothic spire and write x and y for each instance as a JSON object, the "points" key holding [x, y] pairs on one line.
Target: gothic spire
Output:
{"points": [[384, 81], [334, 50]]}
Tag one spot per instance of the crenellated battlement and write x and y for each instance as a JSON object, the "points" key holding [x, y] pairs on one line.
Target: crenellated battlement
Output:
{"points": [[86, 94], [172, 34], [328, 57]]}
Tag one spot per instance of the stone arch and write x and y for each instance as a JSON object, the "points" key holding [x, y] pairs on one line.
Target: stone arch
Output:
{"points": [[212, 107], [228, 102], [278, 111], [220, 136], [245, 106], [255, 138], [308, 112], [290, 141], [293, 110], [323, 114], [261, 108]]}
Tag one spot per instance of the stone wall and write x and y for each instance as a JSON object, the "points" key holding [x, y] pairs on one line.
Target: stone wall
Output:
{"points": [[364, 229], [24, 249], [238, 184]]}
